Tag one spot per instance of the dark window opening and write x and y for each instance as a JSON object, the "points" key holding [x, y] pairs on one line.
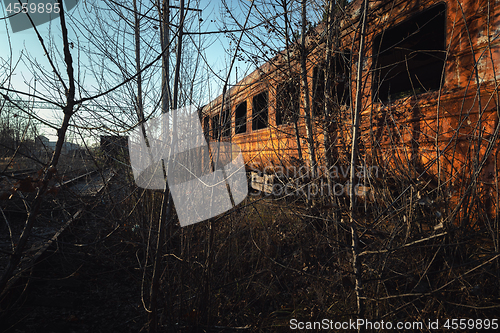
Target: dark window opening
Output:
{"points": [[226, 123], [410, 56], [339, 83], [318, 92], [215, 127], [341, 69], [206, 126], [288, 101], [259, 111], [241, 118]]}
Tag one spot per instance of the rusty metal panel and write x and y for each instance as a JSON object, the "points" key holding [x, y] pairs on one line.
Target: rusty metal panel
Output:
{"points": [[434, 131]]}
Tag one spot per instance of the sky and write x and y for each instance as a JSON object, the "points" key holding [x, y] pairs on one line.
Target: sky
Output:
{"points": [[217, 52]]}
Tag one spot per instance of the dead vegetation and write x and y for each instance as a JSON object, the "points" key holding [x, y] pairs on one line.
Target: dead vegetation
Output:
{"points": [[421, 244], [270, 260]]}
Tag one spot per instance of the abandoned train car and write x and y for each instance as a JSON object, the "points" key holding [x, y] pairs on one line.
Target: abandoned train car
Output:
{"points": [[429, 95]]}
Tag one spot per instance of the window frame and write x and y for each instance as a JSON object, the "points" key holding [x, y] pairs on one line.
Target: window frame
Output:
{"points": [[290, 117], [256, 114], [340, 97], [238, 119], [406, 86]]}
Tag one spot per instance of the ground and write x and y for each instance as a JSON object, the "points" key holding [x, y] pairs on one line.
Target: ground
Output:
{"points": [[80, 288]]}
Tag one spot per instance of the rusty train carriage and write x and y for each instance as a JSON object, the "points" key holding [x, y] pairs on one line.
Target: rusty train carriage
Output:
{"points": [[429, 105]]}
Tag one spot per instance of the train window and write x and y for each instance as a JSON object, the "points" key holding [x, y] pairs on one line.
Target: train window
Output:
{"points": [[206, 126], [288, 101], [341, 68], [241, 118], [259, 111], [410, 56], [318, 92], [226, 122], [340, 71], [215, 127]]}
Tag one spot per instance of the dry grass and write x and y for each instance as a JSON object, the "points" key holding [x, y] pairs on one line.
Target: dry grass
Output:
{"points": [[271, 260]]}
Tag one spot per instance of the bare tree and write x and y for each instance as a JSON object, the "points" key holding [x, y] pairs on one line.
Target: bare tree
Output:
{"points": [[354, 159], [50, 170]]}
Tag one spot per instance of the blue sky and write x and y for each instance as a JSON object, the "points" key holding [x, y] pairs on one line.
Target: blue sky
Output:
{"points": [[218, 49]]}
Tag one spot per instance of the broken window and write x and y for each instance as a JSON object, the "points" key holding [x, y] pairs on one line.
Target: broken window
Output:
{"points": [[259, 111], [241, 118], [410, 56], [288, 101], [339, 83]]}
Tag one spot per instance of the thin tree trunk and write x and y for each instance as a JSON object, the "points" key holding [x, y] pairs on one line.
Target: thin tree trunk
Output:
{"points": [[165, 215], [140, 109], [178, 55], [166, 204], [356, 260], [49, 172], [328, 94], [297, 138], [305, 89], [290, 74]]}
